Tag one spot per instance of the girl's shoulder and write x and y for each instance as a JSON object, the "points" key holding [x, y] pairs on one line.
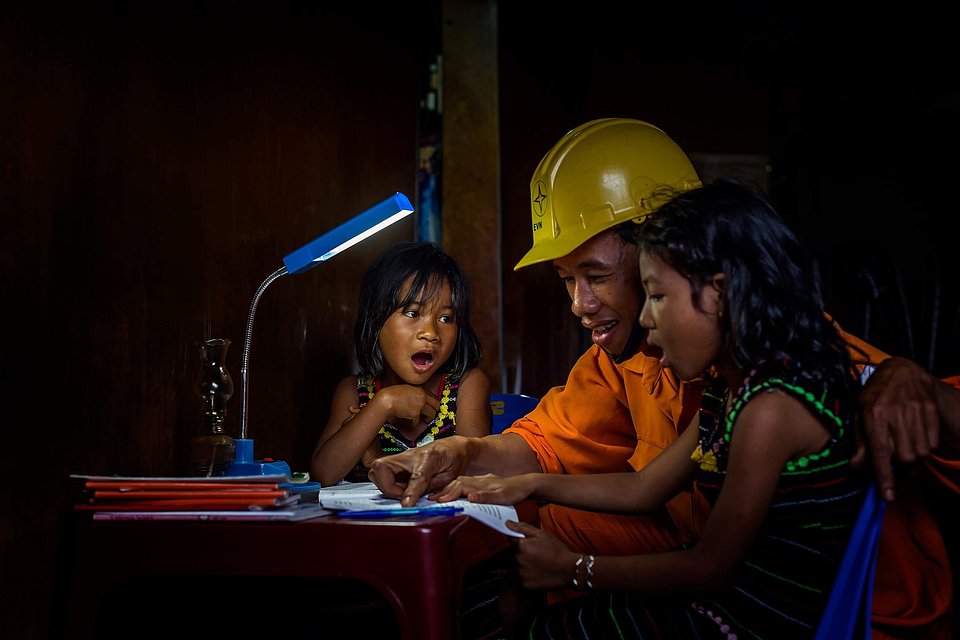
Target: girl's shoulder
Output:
{"points": [[471, 378], [470, 389], [814, 398], [345, 393], [806, 424]]}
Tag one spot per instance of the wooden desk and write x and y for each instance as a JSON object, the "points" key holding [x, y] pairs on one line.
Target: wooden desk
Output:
{"points": [[417, 565]]}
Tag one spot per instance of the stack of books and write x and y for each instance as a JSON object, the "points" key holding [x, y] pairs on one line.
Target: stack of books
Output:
{"points": [[195, 498]]}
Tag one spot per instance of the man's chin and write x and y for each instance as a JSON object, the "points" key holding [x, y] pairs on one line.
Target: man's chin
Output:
{"points": [[609, 342]]}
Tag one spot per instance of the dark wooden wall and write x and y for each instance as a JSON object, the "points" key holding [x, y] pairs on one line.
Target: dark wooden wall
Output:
{"points": [[157, 161], [471, 164]]}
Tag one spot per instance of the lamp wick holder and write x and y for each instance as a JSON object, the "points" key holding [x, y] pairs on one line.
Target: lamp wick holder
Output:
{"points": [[244, 463]]}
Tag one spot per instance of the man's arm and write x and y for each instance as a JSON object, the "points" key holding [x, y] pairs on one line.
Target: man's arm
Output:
{"points": [[582, 427]]}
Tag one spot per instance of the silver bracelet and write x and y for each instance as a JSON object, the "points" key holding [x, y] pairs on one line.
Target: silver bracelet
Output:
{"points": [[587, 582], [576, 573]]}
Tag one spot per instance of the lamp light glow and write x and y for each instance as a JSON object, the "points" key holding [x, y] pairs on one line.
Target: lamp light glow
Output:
{"points": [[322, 248], [371, 221]]}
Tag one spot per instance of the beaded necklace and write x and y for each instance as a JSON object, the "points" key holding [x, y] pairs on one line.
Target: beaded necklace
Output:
{"points": [[769, 383], [712, 407], [373, 386], [715, 407]]}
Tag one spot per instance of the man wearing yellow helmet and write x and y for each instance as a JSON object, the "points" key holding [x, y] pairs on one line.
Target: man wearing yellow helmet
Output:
{"points": [[619, 408]]}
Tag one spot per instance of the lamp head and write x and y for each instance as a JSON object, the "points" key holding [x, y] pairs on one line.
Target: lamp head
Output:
{"points": [[349, 233]]}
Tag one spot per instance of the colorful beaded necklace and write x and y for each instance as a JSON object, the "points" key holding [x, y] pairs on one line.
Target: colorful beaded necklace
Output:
{"points": [[818, 404], [373, 386], [707, 459]]}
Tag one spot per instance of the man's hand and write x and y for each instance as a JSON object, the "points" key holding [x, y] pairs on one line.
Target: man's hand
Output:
{"points": [[898, 419], [411, 474]]}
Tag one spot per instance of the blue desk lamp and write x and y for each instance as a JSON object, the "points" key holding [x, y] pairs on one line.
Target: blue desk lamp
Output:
{"points": [[321, 249]]}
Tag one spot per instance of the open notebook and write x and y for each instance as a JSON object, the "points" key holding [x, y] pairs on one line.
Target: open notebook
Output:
{"points": [[365, 495]]}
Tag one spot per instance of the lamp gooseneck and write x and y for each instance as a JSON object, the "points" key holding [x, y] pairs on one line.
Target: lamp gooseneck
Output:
{"points": [[282, 271]]}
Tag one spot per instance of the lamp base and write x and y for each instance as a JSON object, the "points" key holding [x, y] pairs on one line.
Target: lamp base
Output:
{"points": [[245, 465]]}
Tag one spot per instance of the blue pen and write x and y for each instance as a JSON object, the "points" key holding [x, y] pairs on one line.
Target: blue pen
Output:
{"points": [[408, 511]]}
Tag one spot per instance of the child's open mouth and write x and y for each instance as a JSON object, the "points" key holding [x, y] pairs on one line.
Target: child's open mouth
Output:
{"points": [[422, 360]]}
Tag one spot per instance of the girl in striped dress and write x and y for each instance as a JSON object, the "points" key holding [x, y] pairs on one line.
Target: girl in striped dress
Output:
{"points": [[730, 295]]}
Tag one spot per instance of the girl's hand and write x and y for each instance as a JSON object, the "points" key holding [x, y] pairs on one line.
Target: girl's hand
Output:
{"points": [[543, 561], [488, 488], [407, 402]]}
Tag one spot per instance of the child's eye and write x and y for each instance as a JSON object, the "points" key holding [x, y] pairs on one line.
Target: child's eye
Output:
{"points": [[447, 319], [411, 313], [654, 297]]}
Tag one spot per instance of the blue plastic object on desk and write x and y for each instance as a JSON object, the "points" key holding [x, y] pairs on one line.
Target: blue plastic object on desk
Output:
{"points": [[244, 464], [402, 511]]}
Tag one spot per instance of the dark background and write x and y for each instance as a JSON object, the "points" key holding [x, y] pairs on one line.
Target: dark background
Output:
{"points": [[856, 112], [157, 160]]}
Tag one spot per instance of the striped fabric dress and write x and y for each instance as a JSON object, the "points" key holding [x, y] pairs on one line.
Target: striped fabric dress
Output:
{"points": [[782, 587]]}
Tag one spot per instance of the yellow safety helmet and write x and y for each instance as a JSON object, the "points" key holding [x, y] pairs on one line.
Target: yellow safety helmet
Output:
{"points": [[598, 175]]}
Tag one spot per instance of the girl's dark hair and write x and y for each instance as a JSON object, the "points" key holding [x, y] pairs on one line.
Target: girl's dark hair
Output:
{"points": [[380, 292], [773, 318]]}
